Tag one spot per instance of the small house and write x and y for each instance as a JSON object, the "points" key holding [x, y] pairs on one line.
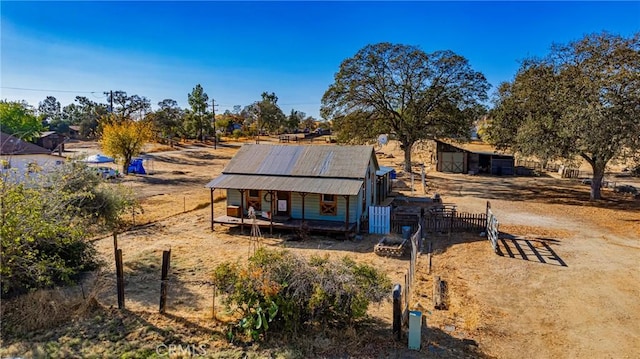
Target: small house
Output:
{"points": [[51, 141], [323, 188], [74, 132]]}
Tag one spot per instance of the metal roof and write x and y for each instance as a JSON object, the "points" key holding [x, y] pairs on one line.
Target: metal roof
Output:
{"points": [[337, 186], [302, 161], [383, 170], [475, 147], [10, 145], [338, 170]]}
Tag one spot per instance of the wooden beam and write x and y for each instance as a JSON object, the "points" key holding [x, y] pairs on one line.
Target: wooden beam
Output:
{"points": [[303, 195], [272, 196], [346, 217], [241, 211], [212, 189]]}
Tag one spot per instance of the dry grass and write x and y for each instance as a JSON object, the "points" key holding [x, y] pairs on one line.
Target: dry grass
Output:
{"points": [[46, 309], [496, 301]]}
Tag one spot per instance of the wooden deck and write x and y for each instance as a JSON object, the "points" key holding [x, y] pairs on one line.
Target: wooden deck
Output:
{"points": [[312, 225]]}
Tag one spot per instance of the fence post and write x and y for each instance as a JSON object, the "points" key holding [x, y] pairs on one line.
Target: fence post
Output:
{"points": [[166, 257], [213, 307], [119, 279], [397, 311]]}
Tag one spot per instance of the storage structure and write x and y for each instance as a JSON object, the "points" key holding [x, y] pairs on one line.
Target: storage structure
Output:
{"points": [[472, 158]]}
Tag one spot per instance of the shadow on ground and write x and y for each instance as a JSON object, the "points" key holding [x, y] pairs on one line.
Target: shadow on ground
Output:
{"points": [[440, 242], [547, 190], [143, 279], [530, 249]]}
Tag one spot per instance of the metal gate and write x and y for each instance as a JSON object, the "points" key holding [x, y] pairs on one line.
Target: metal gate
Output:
{"points": [[492, 228]]}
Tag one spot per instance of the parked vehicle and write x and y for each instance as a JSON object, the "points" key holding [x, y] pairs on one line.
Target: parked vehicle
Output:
{"points": [[626, 189], [106, 172], [604, 183]]}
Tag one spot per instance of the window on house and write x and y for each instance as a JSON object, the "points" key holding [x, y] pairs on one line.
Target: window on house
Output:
{"points": [[328, 204], [254, 200]]}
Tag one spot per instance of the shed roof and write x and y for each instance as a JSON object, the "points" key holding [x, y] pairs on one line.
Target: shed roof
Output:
{"points": [[337, 186], [47, 133], [10, 145], [383, 170], [302, 161], [336, 170], [475, 147]]}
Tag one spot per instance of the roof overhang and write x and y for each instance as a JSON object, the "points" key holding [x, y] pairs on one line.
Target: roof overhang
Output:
{"points": [[337, 186]]}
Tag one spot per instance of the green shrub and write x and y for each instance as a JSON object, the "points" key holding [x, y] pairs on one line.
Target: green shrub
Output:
{"points": [[44, 221], [280, 291]]}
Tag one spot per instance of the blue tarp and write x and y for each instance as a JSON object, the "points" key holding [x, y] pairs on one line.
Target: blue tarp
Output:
{"points": [[136, 167]]}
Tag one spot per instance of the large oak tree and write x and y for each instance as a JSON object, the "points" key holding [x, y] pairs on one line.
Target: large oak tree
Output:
{"points": [[400, 89], [583, 99]]}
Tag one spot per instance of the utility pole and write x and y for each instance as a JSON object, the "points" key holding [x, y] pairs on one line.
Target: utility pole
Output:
{"points": [[110, 94], [215, 135]]}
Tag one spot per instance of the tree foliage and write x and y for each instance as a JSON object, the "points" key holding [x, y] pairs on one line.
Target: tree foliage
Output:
{"points": [[44, 221], [399, 89], [271, 116], [19, 120], [127, 107], [167, 121], [197, 120], [49, 110], [86, 114], [124, 140], [278, 290], [264, 114], [583, 99], [294, 120]]}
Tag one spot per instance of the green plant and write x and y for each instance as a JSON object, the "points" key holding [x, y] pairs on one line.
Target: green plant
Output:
{"points": [[237, 133], [280, 291], [44, 221]]}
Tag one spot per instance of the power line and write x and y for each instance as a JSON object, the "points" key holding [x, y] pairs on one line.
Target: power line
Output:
{"points": [[44, 90]]}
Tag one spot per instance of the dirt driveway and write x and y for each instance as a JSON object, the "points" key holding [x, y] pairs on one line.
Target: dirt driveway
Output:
{"points": [[566, 286]]}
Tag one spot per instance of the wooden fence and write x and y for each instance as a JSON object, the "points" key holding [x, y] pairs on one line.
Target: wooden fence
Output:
{"points": [[399, 220], [454, 221], [379, 219], [537, 165], [439, 220]]}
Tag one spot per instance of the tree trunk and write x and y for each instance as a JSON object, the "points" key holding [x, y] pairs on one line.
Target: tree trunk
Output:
{"points": [[125, 165], [407, 156], [596, 180]]}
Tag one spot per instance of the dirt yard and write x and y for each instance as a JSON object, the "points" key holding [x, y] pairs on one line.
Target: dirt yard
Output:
{"points": [[567, 284]]}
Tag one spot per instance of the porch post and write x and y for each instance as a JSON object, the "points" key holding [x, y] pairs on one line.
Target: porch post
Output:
{"points": [[212, 189], [271, 213], [303, 195], [241, 211], [346, 218]]}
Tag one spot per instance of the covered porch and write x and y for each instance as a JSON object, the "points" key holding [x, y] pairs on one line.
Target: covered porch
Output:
{"points": [[288, 223], [313, 204]]}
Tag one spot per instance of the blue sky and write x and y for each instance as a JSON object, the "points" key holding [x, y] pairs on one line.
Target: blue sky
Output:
{"points": [[237, 50]]}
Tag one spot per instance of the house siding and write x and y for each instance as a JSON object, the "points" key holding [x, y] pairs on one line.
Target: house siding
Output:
{"points": [[311, 204]]}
